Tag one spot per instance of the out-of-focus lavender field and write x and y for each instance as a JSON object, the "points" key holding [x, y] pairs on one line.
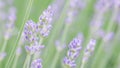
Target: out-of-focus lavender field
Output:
{"points": [[59, 33]]}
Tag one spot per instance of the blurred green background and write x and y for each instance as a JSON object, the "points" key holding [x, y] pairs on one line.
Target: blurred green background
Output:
{"points": [[109, 56]]}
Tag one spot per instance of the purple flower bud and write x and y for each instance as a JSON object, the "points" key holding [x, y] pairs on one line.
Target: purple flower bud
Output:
{"points": [[69, 62], [36, 63]]}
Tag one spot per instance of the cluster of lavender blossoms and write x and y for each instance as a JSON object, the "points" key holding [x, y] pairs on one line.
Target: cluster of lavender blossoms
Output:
{"points": [[89, 50], [34, 32], [73, 52], [30, 32]]}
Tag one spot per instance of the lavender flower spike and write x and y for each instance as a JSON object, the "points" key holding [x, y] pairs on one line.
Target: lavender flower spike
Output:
{"points": [[89, 49], [73, 52], [44, 24], [36, 63], [30, 31]]}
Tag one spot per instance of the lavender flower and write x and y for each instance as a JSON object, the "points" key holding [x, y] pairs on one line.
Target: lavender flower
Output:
{"points": [[34, 32], [36, 63], [44, 24], [33, 49], [30, 32], [73, 52], [2, 56], [89, 50]]}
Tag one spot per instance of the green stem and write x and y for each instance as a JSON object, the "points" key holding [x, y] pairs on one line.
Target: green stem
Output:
{"points": [[82, 65], [4, 45], [63, 38], [28, 62], [55, 59], [118, 61], [12, 53], [15, 62], [3, 48]]}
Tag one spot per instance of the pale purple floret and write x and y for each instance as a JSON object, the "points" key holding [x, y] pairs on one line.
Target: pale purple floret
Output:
{"points": [[89, 50], [44, 25], [36, 63], [18, 51], [108, 37], [12, 14], [34, 49], [2, 55], [69, 62], [73, 52], [59, 46]]}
